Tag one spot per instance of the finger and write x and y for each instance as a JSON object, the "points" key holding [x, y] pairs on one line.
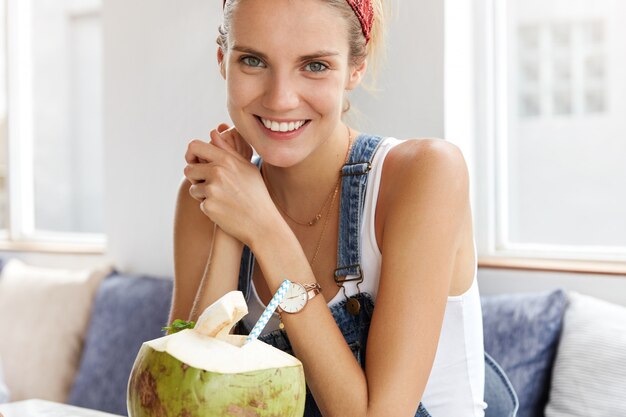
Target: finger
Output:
{"points": [[229, 134], [191, 156], [196, 173], [198, 151], [243, 147], [219, 141], [196, 193], [238, 144], [227, 138], [222, 127]]}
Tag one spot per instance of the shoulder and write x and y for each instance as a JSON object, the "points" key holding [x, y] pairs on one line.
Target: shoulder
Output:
{"points": [[430, 164], [425, 151], [424, 189]]}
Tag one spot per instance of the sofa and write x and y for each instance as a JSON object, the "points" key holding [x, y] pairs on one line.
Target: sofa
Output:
{"points": [[521, 331]]}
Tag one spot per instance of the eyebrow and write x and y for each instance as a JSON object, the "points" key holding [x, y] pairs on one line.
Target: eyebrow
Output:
{"points": [[308, 57]]}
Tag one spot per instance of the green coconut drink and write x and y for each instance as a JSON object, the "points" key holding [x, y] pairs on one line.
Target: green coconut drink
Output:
{"points": [[205, 371]]}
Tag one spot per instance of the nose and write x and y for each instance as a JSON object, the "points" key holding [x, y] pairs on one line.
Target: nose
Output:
{"points": [[281, 93]]}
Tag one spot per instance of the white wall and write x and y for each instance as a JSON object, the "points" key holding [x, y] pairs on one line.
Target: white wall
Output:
{"points": [[162, 89], [410, 97]]}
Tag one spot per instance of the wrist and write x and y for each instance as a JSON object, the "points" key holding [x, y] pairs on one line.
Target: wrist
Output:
{"points": [[272, 236], [280, 256]]}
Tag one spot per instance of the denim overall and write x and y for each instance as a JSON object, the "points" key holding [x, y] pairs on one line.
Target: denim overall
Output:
{"points": [[355, 329]]}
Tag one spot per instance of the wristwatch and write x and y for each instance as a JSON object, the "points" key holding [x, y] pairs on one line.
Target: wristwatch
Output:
{"points": [[297, 296]]}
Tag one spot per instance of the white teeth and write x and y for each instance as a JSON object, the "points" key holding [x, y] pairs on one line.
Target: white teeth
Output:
{"points": [[283, 126]]}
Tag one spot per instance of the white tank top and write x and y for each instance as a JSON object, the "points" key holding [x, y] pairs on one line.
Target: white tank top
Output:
{"points": [[455, 386]]}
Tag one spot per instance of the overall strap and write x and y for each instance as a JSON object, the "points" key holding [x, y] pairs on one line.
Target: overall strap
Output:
{"points": [[354, 182], [353, 187]]}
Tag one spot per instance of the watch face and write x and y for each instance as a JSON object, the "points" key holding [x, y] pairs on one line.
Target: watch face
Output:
{"points": [[295, 298]]}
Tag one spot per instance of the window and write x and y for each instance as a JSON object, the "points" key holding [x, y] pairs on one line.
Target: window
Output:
{"points": [[52, 145], [3, 118], [551, 128], [561, 68]]}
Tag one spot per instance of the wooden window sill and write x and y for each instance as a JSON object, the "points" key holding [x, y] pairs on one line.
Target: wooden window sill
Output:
{"points": [[553, 265]]}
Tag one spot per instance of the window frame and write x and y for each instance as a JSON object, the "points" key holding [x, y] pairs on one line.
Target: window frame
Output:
{"points": [[21, 234], [479, 26]]}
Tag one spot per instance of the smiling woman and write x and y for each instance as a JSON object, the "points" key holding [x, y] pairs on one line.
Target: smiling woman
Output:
{"points": [[375, 232], [302, 82]]}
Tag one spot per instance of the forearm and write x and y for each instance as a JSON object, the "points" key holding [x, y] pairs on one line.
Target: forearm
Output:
{"points": [[335, 378], [221, 274]]}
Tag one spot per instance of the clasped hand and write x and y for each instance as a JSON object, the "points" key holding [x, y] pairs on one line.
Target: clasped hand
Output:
{"points": [[228, 186]]}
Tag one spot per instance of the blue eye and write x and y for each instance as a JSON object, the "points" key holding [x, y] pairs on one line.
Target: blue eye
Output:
{"points": [[252, 61], [316, 67]]}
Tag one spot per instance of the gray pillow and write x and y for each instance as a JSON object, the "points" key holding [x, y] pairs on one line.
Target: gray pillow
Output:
{"points": [[521, 332], [127, 311], [590, 367]]}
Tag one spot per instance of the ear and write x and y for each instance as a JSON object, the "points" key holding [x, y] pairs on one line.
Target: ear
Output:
{"points": [[356, 75], [220, 61]]}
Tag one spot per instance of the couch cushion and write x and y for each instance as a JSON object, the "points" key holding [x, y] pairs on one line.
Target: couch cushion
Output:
{"points": [[4, 391], [521, 333], [45, 312], [588, 377], [128, 310]]}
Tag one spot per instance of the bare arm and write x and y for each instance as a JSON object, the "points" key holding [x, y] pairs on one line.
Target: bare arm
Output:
{"points": [[206, 259], [193, 259], [421, 237], [221, 273]]}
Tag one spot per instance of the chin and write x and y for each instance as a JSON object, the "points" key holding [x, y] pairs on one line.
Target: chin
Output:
{"points": [[280, 161]]}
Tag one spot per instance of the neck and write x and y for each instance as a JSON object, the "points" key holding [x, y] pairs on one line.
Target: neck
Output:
{"points": [[302, 189]]}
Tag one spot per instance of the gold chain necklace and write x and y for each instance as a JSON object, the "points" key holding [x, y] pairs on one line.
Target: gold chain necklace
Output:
{"points": [[317, 217], [319, 241], [333, 195]]}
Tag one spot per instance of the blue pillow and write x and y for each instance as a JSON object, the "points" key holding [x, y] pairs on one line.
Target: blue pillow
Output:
{"points": [[127, 311], [521, 333]]}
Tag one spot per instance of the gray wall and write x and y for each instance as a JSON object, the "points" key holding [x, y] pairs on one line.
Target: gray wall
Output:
{"points": [[496, 281]]}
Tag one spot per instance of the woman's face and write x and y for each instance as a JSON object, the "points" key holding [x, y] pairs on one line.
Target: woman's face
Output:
{"points": [[286, 72]]}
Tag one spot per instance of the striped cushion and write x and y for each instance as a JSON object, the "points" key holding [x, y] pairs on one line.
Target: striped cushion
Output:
{"points": [[590, 366]]}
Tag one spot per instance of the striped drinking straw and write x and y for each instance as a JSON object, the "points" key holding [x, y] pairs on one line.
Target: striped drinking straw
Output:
{"points": [[269, 310]]}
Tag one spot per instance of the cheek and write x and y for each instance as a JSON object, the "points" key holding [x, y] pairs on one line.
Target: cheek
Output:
{"points": [[327, 96], [241, 90]]}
